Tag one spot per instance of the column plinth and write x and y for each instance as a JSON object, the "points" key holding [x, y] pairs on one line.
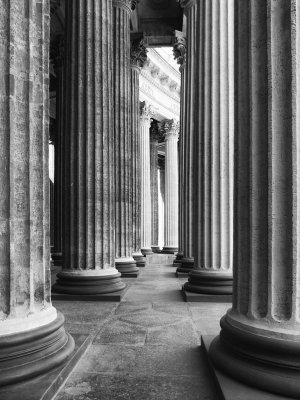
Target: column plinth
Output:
{"points": [[171, 130], [212, 146], [89, 219], [32, 335], [123, 152], [259, 336]]}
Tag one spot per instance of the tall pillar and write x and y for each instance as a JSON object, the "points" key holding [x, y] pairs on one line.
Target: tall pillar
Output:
{"points": [[138, 57], [88, 246], [179, 50], [188, 132], [57, 54], [122, 134], [145, 123], [161, 200], [213, 136], [32, 338], [171, 129], [154, 136], [260, 336]]}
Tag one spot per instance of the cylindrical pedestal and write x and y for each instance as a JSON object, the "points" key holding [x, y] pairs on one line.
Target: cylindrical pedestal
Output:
{"points": [[213, 153], [171, 129], [32, 335], [122, 135], [88, 240], [260, 335]]}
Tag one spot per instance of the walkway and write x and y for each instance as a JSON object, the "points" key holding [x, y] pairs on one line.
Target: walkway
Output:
{"points": [[144, 348]]}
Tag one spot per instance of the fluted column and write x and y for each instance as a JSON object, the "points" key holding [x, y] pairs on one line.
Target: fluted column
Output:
{"points": [[138, 57], [154, 136], [188, 132], [171, 129], [260, 334], [57, 54], [213, 135], [122, 134], [179, 50], [161, 200], [145, 123], [88, 236], [32, 336]]}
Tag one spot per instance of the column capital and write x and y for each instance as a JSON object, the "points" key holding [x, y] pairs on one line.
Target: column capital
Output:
{"points": [[187, 3], [145, 112], [170, 129], [179, 49], [138, 51], [125, 4]]}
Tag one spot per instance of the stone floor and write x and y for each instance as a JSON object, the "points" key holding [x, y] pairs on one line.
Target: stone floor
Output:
{"points": [[146, 347]]}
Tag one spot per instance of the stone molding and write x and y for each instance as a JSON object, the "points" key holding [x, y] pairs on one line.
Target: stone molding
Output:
{"points": [[125, 4], [138, 51]]}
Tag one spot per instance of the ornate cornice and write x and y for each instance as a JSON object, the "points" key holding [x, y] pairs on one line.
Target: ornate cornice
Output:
{"points": [[170, 129], [145, 111], [179, 49], [138, 51], [125, 4]]}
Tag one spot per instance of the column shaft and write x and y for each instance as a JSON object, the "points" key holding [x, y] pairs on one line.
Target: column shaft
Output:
{"points": [[171, 129], [88, 235], [122, 134], [261, 332], [154, 187], [212, 142], [32, 338]]}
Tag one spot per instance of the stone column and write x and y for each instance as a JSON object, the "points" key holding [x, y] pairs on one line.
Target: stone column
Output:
{"points": [[145, 123], [154, 136], [138, 57], [88, 236], [260, 335], [122, 134], [212, 198], [188, 132], [32, 338], [161, 200], [57, 55], [179, 50], [171, 129]]}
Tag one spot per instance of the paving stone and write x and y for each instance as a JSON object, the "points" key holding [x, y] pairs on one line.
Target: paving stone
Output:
{"points": [[101, 387], [176, 334], [121, 333]]}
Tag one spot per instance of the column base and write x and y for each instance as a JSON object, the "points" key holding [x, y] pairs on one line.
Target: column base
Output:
{"points": [[155, 249], [146, 251], [169, 250], [178, 258], [28, 354], [186, 266], [208, 282], [268, 363], [139, 259], [127, 267], [88, 282]]}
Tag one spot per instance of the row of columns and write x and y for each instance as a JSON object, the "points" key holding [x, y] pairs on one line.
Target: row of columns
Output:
{"points": [[244, 57]]}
